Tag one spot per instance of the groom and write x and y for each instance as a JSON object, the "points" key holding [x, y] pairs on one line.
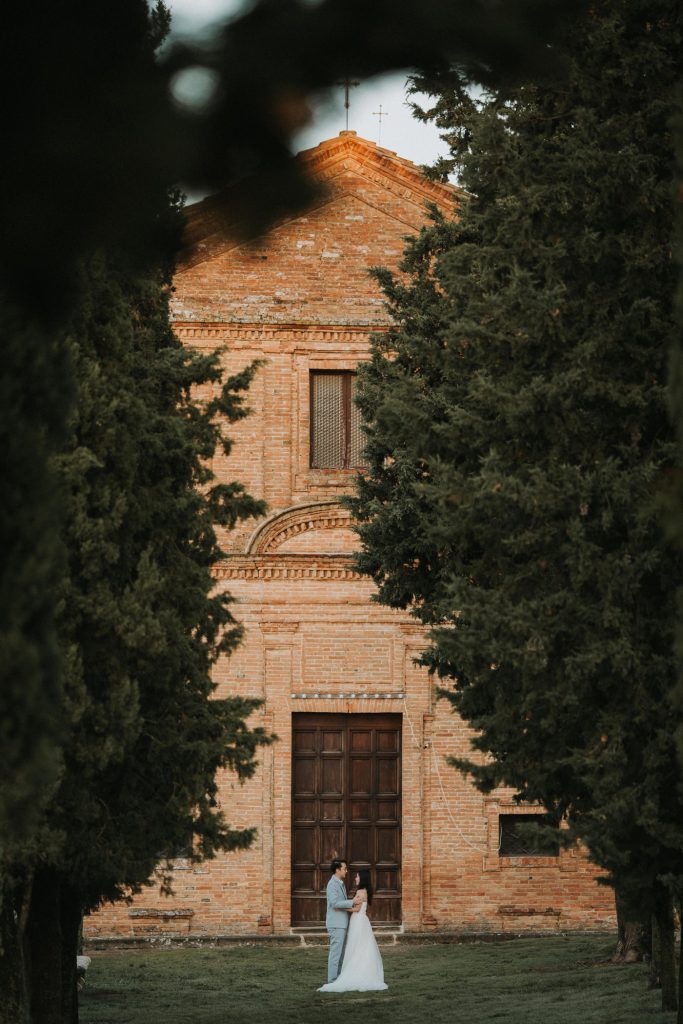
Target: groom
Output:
{"points": [[337, 919]]}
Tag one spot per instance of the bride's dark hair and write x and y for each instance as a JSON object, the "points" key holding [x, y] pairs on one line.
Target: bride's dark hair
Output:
{"points": [[364, 882]]}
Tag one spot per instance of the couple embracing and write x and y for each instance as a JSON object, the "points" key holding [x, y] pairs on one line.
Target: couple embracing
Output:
{"points": [[354, 963]]}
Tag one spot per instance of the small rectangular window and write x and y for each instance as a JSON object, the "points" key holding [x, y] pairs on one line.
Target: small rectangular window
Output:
{"points": [[336, 434], [178, 851], [512, 844]]}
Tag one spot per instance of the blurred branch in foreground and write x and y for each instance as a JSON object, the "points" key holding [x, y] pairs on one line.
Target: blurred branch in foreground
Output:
{"points": [[93, 138]]}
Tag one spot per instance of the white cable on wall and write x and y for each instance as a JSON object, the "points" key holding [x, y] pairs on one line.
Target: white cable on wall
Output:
{"points": [[418, 746]]}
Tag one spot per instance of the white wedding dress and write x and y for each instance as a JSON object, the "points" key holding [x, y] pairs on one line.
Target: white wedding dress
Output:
{"points": [[362, 969]]}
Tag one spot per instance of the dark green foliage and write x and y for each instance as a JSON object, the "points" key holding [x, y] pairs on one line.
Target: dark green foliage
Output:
{"points": [[676, 378], [675, 520], [141, 623], [139, 620], [30, 727], [520, 447]]}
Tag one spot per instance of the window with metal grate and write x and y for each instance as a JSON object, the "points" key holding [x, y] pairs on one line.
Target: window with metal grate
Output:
{"points": [[336, 425], [513, 841]]}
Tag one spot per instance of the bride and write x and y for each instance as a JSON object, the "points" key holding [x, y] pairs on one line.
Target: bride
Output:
{"points": [[362, 969]]}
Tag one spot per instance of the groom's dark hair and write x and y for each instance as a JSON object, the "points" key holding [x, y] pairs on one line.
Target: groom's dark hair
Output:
{"points": [[336, 864]]}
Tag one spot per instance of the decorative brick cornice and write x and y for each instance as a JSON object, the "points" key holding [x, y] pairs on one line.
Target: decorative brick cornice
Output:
{"points": [[288, 567], [346, 695], [250, 334], [324, 515]]}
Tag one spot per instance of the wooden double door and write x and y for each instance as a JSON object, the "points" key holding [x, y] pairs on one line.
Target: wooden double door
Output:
{"points": [[346, 802]]}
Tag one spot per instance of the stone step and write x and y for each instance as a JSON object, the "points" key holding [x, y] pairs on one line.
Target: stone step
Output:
{"points": [[316, 935], [393, 929]]}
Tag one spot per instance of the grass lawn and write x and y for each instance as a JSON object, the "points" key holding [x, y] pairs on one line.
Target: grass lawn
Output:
{"points": [[554, 980]]}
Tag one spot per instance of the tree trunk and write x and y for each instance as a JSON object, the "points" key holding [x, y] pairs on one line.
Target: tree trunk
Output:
{"points": [[71, 917], [655, 956], [679, 1017], [633, 933], [664, 925], [13, 990], [44, 940]]}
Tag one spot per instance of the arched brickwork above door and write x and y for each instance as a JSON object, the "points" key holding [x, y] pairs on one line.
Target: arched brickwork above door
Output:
{"points": [[320, 528]]}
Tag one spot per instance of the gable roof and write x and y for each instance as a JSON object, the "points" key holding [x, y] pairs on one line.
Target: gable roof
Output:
{"points": [[209, 231]]}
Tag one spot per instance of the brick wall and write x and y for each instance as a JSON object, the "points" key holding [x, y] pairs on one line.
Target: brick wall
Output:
{"points": [[314, 640]]}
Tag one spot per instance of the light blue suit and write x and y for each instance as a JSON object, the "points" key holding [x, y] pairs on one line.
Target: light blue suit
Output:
{"points": [[336, 922]]}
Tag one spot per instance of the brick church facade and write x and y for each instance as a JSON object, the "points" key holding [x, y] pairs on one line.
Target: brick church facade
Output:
{"points": [[359, 766]]}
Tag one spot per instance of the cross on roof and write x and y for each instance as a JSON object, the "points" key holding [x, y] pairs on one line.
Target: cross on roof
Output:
{"points": [[348, 84], [379, 114]]}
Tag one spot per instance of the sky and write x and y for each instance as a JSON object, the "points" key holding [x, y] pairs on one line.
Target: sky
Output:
{"points": [[400, 131]]}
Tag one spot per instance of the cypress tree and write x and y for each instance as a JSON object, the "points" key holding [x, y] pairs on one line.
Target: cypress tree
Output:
{"points": [[31, 723], [29, 694], [520, 447], [140, 623], [675, 520]]}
